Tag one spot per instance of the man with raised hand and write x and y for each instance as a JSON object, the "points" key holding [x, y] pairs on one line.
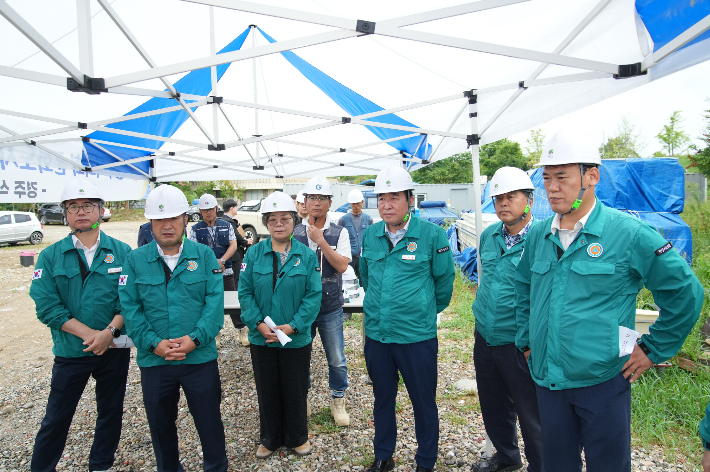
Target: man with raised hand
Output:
{"points": [[172, 295], [505, 388], [576, 288], [75, 290], [408, 276], [332, 247]]}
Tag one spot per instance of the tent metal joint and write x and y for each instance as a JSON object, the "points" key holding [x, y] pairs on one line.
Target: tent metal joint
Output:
{"points": [[218, 147], [346, 119], [342, 149], [86, 139], [363, 26], [33, 142], [630, 70], [521, 85], [257, 167], [278, 176], [92, 85], [81, 125], [473, 115], [472, 140], [171, 153], [213, 99], [342, 165]]}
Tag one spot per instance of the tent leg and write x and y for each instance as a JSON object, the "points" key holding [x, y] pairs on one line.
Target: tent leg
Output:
{"points": [[475, 159], [256, 110]]}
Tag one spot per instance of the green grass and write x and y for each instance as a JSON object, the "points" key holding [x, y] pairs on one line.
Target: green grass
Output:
{"points": [[323, 421]]}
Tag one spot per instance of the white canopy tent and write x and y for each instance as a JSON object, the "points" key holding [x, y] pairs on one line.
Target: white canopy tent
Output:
{"points": [[461, 75]]}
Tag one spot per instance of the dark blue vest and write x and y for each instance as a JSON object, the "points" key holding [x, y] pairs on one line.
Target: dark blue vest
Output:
{"points": [[221, 244], [356, 233], [331, 279]]}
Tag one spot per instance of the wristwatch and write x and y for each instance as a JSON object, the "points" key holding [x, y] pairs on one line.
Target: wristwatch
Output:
{"points": [[222, 260], [644, 348], [115, 331]]}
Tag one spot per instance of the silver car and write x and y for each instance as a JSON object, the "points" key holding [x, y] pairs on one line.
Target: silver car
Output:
{"points": [[19, 226]]}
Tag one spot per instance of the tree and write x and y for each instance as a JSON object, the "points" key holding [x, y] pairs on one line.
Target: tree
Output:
{"points": [[701, 160], [500, 154], [672, 137], [229, 190], [456, 169], [625, 145], [533, 150]]}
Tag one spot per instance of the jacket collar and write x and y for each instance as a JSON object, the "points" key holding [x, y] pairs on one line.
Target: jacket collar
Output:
{"points": [[295, 248], [594, 225], [67, 243], [413, 231]]}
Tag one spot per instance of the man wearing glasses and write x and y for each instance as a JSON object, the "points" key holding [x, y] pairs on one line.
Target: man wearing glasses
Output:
{"points": [[332, 246], [220, 237], [75, 290]]}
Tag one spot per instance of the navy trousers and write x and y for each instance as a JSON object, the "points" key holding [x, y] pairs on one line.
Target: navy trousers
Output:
{"points": [[506, 391], [417, 364], [595, 418], [69, 378], [203, 391]]}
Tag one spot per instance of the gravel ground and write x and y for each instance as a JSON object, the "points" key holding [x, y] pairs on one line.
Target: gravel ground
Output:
{"points": [[25, 371]]}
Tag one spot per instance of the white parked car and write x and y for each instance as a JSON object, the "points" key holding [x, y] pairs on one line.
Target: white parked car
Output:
{"points": [[19, 226], [107, 215]]}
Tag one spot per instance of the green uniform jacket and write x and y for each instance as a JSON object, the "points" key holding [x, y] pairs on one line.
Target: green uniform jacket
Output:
{"points": [[494, 306], [569, 310], [705, 429], [406, 287], [191, 303], [58, 291], [295, 300]]}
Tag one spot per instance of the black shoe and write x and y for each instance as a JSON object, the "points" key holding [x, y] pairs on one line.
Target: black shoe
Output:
{"points": [[494, 465], [381, 466], [423, 469]]}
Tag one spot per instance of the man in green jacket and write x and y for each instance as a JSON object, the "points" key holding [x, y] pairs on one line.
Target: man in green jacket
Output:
{"points": [[408, 273], [173, 302], [705, 436], [505, 388], [577, 283], [75, 290]]}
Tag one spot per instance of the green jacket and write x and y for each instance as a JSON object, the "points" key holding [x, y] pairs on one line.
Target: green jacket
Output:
{"points": [[569, 310], [705, 429], [407, 286], [494, 306], [58, 291], [296, 298], [191, 303]]}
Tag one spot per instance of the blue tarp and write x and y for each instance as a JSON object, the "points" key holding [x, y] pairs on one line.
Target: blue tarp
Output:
{"points": [[355, 104], [666, 19], [466, 260], [650, 189], [436, 212], [197, 82]]}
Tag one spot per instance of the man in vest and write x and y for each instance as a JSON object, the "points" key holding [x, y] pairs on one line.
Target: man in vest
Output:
{"points": [[408, 275], [172, 295], [220, 237], [576, 287], [356, 222], [505, 388], [75, 290], [332, 246]]}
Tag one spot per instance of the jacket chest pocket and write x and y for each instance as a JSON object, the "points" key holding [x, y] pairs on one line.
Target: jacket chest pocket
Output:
{"points": [[592, 279], [373, 257], [148, 285], [223, 236]]}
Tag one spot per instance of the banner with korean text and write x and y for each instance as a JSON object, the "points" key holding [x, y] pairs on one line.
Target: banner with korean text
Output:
{"points": [[33, 183]]}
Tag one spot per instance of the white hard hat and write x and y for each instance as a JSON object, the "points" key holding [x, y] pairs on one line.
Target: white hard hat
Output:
{"points": [[165, 201], [80, 188], [508, 179], [277, 201], [207, 202], [318, 186], [393, 179], [355, 196], [300, 198], [569, 148]]}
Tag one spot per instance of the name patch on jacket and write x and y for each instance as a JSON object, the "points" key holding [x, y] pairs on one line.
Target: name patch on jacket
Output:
{"points": [[664, 249], [115, 270], [443, 249], [216, 271]]}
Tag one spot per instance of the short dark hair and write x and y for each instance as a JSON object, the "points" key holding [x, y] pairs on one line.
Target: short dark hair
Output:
{"points": [[586, 167], [293, 197], [229, 204]]}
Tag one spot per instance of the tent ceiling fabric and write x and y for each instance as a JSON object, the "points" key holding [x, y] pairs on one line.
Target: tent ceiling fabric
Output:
{"points": [[529, 62]]}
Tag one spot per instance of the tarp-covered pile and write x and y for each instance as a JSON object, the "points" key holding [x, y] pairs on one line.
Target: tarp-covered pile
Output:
{"points": [[437, 212]]}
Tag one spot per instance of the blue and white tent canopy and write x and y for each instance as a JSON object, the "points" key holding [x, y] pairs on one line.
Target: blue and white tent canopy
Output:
{"points": [[307, 92]]}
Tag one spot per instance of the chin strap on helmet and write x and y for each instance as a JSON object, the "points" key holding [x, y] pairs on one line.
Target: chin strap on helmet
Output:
{"points": [[525, 213], [578, 201], [93, 227]]}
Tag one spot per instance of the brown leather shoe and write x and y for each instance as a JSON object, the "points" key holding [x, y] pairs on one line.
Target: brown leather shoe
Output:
{"points": [[304, 449], [262, 452]]}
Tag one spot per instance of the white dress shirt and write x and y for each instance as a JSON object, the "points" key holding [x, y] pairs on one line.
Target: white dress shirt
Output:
{"points": [[88, 252], [343, 247], [567, 236]]}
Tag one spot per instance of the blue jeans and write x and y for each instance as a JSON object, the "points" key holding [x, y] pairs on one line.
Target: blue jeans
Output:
{"points": [[330, 328]]}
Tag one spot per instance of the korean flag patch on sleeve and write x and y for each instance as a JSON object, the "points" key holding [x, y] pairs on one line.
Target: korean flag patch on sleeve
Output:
{"points": [[37, 274], [122, 280], [244, 268]]}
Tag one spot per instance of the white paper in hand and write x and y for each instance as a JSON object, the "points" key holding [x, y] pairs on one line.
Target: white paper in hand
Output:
{"points": [[283, 337], [627, 341], [123, 341]]}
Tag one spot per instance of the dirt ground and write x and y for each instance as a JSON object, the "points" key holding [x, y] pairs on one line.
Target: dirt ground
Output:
{"points": [[23, 339]]}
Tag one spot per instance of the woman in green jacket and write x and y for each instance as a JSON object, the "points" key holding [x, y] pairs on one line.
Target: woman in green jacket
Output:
{"points": [[280, 280]]}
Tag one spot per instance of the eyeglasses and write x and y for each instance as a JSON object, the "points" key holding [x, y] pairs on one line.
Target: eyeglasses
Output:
{"points": [[87, 207], [320, 198], [275, 222]]}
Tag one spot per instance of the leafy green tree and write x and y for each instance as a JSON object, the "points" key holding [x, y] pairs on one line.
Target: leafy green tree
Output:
{"points": [[672, 137], [701, 160], [228, 190], [456, 169], [356, 179], [533, 150], [501, 154], [625, 145]]}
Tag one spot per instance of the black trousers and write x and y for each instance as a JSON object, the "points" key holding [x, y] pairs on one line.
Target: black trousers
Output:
{"points": [[69, 377], [230, 285], [281, 377], [203, 392], [507, 391], [355, 263]]}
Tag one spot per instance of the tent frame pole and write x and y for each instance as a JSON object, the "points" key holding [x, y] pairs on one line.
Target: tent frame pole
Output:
{"points": [[476, 164], [256, 98]]}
